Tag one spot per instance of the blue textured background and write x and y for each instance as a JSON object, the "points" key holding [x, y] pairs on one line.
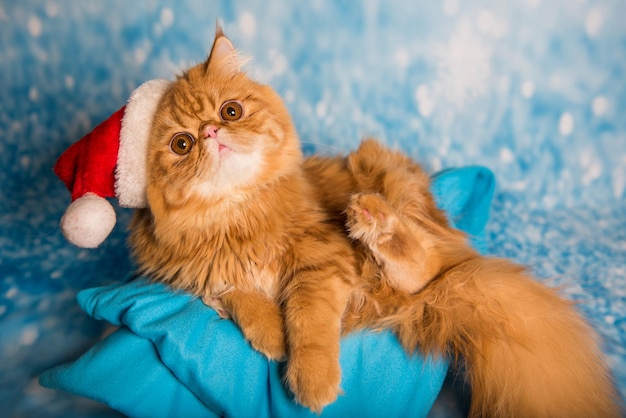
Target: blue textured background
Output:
{"points": [[533, 89]]}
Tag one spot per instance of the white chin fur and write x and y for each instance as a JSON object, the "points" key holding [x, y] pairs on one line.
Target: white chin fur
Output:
{"points": [[235, 171]]}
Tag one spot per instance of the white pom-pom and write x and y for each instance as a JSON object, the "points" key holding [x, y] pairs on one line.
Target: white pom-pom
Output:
{"points": [[88, 221]]}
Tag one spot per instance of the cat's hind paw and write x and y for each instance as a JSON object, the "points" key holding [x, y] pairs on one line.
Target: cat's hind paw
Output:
{"points": [[370, 219], [399, 250]]}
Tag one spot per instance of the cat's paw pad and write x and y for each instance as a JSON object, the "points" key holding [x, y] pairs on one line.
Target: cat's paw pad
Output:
{"points": [[314, 379], [370, 218], [216, 304]]}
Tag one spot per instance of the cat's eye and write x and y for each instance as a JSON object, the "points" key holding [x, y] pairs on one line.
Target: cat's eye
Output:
{"points": [[231, 110], [181, 143]]}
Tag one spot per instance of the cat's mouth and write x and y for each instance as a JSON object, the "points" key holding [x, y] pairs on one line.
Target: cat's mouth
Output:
{"points": [[222, 148]]}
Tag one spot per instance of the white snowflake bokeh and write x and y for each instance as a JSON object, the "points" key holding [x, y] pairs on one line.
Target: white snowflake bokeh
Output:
{"points": [[532, 89]]}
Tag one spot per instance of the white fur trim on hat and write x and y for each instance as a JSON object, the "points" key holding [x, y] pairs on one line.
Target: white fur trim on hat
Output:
{"points": [[131, 172], [88, 220]]}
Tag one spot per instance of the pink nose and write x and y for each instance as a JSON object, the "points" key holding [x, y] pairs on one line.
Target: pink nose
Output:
{"points": [[211, 131]]}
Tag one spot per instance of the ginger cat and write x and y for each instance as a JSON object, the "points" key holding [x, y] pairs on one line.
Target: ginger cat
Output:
{"points": [[298, 251]]}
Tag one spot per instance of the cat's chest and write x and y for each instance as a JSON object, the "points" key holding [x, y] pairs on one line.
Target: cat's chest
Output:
{"points": [[248, 265]]}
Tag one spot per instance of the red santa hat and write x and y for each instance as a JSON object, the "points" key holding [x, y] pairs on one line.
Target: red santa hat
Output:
{"points": [[108, 162]]}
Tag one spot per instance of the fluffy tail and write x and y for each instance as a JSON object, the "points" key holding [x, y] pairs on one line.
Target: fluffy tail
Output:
{"points": [[526, 351]]}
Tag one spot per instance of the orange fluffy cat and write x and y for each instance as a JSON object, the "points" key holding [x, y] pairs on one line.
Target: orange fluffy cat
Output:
{"points": [[298, 251]]}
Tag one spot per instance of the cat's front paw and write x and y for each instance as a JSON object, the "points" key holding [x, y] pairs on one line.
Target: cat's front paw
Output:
{"points": [[370, 219], [265, 334], [314, 378], [270, 342], [216, 303], [259, 319]]}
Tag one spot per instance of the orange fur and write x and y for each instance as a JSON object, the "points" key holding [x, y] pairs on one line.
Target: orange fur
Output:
{"points": [[525, 350], [239, 226], [297, 251]]}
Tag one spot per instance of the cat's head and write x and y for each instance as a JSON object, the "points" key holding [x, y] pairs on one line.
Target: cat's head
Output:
{"points": [[217, 135]]}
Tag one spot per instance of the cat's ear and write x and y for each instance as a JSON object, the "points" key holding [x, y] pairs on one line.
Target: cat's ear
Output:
{"points": [[223, 57]]}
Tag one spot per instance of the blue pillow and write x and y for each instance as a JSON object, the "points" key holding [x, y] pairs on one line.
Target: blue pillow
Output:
{"points": [[173, 356]]}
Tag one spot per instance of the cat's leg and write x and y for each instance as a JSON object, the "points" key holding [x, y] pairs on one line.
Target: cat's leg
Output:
{"points": [[405, 252], [260, 320], [314, 302]]}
